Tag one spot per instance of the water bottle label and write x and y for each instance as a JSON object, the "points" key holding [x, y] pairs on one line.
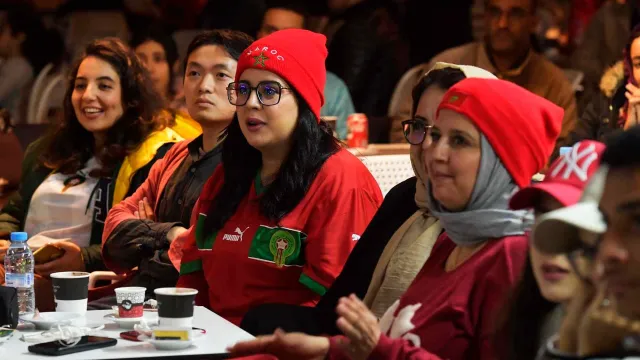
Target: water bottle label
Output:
{"points": [[18, 280]]}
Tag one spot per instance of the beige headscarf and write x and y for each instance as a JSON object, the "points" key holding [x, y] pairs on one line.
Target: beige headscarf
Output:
{"points": [[410, 246]]}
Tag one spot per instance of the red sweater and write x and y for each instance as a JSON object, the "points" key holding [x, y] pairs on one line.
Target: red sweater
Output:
{"points": [[253, 260], [159, 175], [450, 315]]}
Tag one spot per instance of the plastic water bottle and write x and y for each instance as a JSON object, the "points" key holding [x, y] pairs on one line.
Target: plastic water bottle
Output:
{"points": [[18, 267]]}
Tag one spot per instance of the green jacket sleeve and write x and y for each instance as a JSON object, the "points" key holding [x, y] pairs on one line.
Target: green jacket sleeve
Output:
{"points": [[14, 211]]}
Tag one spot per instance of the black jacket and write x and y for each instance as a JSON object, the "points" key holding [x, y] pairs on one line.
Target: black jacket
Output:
{"points": [[599, 119]]}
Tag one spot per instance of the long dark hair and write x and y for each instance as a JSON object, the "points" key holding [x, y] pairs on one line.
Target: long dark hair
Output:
{"points": [[626, 55], [313, 143], [69, 146], [159, 35], [518, 333]]}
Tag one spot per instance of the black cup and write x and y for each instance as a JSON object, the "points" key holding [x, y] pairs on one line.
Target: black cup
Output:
{"points": [[175, 306]]}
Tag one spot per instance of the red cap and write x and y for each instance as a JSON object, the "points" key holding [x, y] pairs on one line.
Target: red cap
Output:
{"points": [[566, 178], [521, 127], [298, 56]]}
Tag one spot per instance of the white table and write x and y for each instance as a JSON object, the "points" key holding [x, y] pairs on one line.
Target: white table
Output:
{"points": [[220, 335]]}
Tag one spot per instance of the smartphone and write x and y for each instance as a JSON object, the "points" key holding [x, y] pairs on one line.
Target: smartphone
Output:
{"points": [[86, 343], [46, 254], [130, 335]]}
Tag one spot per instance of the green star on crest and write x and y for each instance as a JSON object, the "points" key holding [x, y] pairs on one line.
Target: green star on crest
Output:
{"points": [[260, 59]]}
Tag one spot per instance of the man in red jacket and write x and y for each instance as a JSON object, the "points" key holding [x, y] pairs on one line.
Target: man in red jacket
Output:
{"points": [[139, 230]]}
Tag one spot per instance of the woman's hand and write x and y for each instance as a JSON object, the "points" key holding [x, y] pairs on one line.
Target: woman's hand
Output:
{"points": [[70, 261], [360, 325], [145, 212], [285, 346], [632, 94]]}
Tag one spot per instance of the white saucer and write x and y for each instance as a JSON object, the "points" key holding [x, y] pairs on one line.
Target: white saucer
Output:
{"points": [[46, 320], [129, 323]]}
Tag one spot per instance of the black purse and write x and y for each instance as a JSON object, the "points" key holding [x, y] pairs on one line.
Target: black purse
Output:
{"points": [[8, 307]]}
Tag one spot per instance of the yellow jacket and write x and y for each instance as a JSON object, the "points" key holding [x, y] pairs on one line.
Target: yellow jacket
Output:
{"points": [[185, 126], [140, 158]]}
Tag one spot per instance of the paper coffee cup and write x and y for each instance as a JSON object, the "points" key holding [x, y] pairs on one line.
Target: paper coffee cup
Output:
{"points": [[130, 301], [175, 306], [71, 291]]}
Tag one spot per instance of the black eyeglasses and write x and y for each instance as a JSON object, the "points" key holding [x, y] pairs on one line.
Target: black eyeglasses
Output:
{"points": [[415, 130], [269, 92]]}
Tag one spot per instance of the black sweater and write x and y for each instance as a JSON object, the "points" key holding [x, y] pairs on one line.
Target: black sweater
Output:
{"points": [[397, 207]]}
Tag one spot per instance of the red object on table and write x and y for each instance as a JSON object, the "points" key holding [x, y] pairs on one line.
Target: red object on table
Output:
{"points": [[358, 128]]}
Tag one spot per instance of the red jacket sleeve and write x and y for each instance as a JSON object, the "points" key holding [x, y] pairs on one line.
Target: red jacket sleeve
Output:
{"points": [[119, 249], [150, 189], [334, 229]]}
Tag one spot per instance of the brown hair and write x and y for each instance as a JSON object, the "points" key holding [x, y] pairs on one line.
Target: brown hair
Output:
{"points": [[69, 145]]}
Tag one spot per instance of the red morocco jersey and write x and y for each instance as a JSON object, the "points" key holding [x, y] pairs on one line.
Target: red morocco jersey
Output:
{"points": [[253, 261]]}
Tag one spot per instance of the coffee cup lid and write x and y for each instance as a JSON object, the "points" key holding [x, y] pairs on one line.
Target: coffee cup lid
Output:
{"points": [[175, 291]]}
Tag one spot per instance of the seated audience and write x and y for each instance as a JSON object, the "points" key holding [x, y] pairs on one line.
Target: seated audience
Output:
{"points": [[337, 98], [616, 105], [548, 282], [285, 183], [599, 234], [159, 54], [98, 155], [20, 30], [396, 243], [603, 40], [476, 159], [507, 52], [139, 230], [366, 52]]}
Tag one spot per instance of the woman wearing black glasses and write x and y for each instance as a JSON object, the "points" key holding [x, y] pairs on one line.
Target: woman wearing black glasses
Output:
{"points": [[278, 219]]}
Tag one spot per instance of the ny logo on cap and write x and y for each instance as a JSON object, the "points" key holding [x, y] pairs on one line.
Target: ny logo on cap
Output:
{"points": [[576, 162]]}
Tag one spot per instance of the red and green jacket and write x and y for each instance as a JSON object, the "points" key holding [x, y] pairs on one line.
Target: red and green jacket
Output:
{"points": [[253, 261]]}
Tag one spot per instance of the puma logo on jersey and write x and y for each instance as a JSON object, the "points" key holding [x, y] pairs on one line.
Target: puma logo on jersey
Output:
{"points": [[235, 237], [355, 237]]}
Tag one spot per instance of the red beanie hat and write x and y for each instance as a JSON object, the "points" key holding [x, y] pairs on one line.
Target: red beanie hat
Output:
{"points": [[298, 56], [521, 127]]}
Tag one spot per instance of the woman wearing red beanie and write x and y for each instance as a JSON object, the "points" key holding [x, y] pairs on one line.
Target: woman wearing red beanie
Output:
{"points": [[488, 139], [277, 220]]}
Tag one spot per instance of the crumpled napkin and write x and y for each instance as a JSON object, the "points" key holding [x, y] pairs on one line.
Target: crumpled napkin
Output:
{"points": [[66, 334]]}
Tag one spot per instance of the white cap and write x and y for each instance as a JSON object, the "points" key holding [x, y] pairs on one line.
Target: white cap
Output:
{"points": [[468, 70], [558, 231]]}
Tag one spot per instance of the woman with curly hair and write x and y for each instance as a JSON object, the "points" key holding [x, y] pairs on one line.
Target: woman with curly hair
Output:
{"points": [[99, 154]]}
